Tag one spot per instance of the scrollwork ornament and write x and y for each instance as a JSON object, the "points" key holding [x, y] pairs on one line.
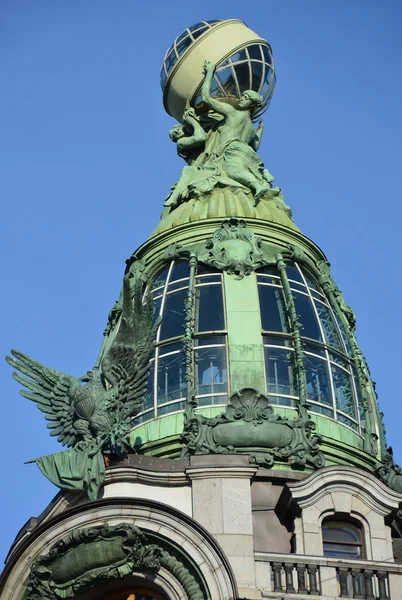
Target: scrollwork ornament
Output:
{"points": [[89, 556], [249, 426], [234, 248]]}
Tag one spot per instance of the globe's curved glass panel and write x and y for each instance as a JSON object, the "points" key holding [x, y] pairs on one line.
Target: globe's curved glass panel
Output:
{"points": [[250, 68], [167, 382], [332, 387], [180, 45]]}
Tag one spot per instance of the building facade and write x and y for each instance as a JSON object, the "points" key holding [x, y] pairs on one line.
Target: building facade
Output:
{"points": [[228, 444]]}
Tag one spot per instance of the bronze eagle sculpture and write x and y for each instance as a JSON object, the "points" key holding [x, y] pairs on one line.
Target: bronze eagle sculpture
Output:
{"points": [[92, 414]]}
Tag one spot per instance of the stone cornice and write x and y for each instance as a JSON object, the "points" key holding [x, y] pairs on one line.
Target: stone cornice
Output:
{"points": [[356, 482], [218, 472], [136, 474]]}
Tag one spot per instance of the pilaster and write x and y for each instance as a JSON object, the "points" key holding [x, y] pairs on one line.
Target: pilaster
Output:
{"points": [[221, 498]]}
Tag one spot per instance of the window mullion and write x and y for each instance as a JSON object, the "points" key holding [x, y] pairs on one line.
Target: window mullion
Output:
{"points": [[295, 332]]}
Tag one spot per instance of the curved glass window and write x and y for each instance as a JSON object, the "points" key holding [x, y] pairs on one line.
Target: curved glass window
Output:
{"points": [[342, 539], [332, 388], [251, 68], [180, 45], [167, 383]]}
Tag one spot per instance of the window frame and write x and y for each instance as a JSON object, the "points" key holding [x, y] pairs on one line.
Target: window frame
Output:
{"points": [[351, 522]]}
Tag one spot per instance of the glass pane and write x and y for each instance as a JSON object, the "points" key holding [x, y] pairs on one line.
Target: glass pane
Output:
{"points": [[157, 308], [183, 45], [268, 270], [199, 32], [281, 400], [242, 71], [343, 391], [227, 81], [145, 417], [314, 349], [209, 308], [201, 279], [212, 400], [197, 26], [210, 370], [171, 378], [343, 333], [267, 80], [338, 360], [308, 319], [209, 340], [171, 61], [267, 55], [332, 336], [160, 279], [293, 273], [279, 372], [346, 421], [311, 282], [173, 315], [256, 68], [317, 376], [338, 531], [341, 551], [239, 56], [205, 270], [168, 408], [180, 270], [276, 340], [254, 51], [321, 410], [272, 309], [166, 348]]}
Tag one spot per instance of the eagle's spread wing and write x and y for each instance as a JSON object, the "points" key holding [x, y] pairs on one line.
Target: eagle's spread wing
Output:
{"points": [[127, 363], [52, 391]]}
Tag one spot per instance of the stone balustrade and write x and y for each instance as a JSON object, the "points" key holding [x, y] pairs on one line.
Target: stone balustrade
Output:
{"points": [[288, 575]]}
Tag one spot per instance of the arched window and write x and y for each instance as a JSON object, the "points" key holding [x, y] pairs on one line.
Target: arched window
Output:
{"points": [[167, 383], [332, 387], [342, 538]]}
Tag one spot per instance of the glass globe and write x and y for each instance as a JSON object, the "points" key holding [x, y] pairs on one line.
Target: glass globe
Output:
{"points": [[250, 66]]}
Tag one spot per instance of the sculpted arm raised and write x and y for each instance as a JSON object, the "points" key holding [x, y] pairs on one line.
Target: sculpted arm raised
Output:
{"points": [[255, 144], [220, 107]]}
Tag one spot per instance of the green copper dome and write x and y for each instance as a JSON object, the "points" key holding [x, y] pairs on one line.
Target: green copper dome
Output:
{"points": [[252, 305]]}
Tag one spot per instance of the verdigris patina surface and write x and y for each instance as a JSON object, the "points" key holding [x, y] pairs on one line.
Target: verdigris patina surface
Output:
{"points": [[93, 419], [225, 176], [88, 556], [249, 426], [91, 556]]}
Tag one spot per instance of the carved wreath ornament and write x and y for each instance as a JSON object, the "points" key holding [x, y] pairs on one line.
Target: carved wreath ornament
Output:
{"points": [[249, 426], [87, 556], [235, 248]]}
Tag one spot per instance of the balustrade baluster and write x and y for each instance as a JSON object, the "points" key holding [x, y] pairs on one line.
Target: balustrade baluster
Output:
{"points": [[343, 580], [301, 579], [277, 569], [289, 578], [312, 576], [368, 582], [382, 586], [357, 583]]}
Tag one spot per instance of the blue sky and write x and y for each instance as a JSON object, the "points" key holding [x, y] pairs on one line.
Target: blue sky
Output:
{"points": [[86, 163]]}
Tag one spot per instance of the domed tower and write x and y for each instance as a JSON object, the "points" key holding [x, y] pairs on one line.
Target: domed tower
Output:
{"points": [[228, 443]]}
